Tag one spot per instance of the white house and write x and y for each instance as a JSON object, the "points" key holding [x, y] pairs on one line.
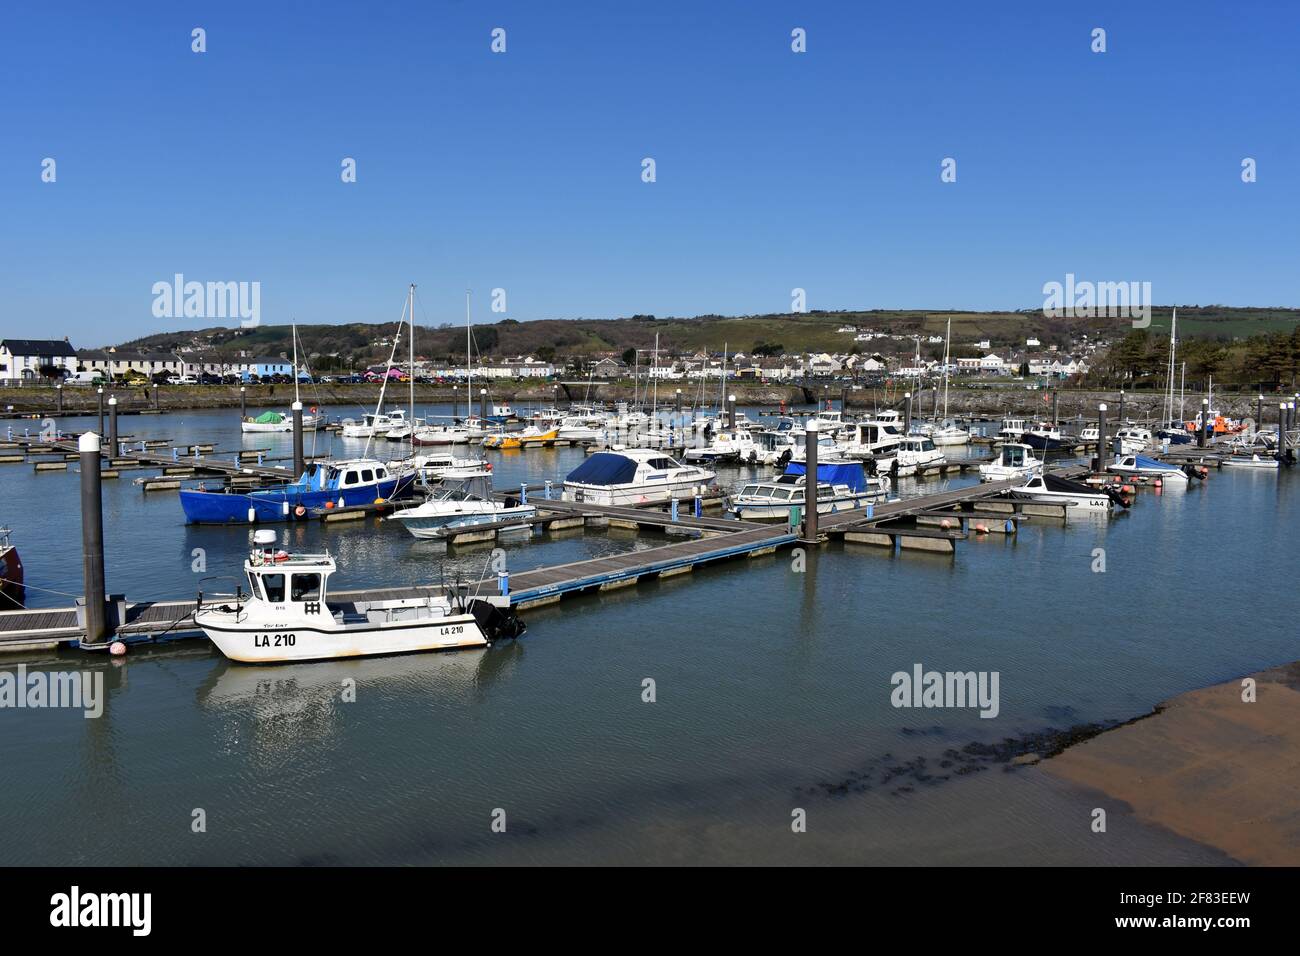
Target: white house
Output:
{"points": [[24, 358], [991, 364]]}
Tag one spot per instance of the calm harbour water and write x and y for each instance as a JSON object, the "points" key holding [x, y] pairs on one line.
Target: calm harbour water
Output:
{"points": [[773, 688]]}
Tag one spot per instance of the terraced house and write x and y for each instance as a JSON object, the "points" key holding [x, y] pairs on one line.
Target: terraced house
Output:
{"points": [[24, 359]]}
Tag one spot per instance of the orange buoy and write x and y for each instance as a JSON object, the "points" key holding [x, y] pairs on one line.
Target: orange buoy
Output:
{"points": [[300, 511], [329, 504], [981, 529], [945, 524]]}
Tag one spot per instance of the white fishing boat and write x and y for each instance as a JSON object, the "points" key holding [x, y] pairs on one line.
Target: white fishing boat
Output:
{"points": [[916, 452], [372, 424], [632, 477], [731, 445], [441, 434], [433, 467], [1139, 466], [1015, 460], [841, 486], [1013, 428], [872, 439], [466, 499], [1073, 494], [287, 616]]}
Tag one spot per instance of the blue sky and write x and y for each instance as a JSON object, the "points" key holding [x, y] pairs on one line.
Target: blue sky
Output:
{"points": [[522, 170]]}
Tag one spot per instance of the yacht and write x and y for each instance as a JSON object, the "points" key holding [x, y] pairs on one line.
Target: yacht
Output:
{"points": [[1074, 494], [452, 434], [841, 486], [1133, 439], [873, 439], [463, 500], [588, 427], [430, 468], [276, 422], [632, 477], [731, 445], [948, 432], [1015, 460], [287, 615]]}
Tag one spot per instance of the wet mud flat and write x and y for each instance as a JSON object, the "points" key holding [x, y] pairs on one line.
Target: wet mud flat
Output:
{"points": [[1208, 765]]}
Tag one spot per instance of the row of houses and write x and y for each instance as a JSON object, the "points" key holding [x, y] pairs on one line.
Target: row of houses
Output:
{"points": [[32, 359]]}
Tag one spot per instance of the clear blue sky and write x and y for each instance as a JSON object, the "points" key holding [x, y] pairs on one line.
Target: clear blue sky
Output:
{"points": [[775, 170]]}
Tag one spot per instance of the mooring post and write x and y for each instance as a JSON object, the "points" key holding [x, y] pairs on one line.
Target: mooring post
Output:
{"points": [[678, 406], [92, 537], [100, 393], [1281, 431], [523, 492], [298, 467], [482, 404], [503, 582], [699, 506], [731, 411], [674, 509], [1119, 415], [1205, 423], [907, 414], [1101, 437], [1259, 413], [243, 403], [1056, 418], [155, 398], [844, 400], [58, 392], [810, 483], [112, 427]]}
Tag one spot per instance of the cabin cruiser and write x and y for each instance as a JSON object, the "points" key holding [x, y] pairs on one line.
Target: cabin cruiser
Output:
{"points": [[372, 424], [872, 439], [827, 448], [731, 445], [323, 485], [632, 477], [1073, 494], [276, 422], [434, 467], [589, 427], [287, 615], [532, 435], [916, 452], [1016, 460], [453, 434], [464, 500], [1138, 466], [1090, 434], [1132, 439], [1013, 428], [841, 486], [891, 417], [1046, 437]]}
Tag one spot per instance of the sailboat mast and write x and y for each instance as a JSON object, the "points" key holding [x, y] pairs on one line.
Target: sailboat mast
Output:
{"points": [[1173, 349], [946, 345], [411, 373], [469, 366]]}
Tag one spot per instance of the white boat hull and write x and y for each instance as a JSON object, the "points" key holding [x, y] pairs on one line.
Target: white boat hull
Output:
{"points": [[269, 645], [614, 495]]}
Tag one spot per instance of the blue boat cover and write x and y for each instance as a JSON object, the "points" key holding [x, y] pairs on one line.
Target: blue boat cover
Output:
{"points": [[604, 468], [1144, 462], [834, 473]]}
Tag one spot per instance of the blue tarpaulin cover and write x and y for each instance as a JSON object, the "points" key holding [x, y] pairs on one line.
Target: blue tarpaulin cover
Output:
{"points": [[835, 473], [604, 468], [1144, 462]]}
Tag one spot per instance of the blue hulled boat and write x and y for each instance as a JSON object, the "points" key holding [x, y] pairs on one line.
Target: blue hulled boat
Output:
{"points": [[324, 484]]}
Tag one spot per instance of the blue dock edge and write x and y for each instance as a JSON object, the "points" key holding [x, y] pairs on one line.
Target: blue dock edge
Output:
{"points": [[595, 580]]}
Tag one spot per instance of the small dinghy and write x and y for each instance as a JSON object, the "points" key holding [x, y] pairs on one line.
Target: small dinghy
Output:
{"points": [[287, 616], [1254, 461], [1139, 466]]}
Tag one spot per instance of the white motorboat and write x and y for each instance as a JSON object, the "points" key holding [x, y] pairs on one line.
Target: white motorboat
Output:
{"points": [[948, 432], [465, 500], [1133, 439], [372, 424], [451, 434], [632, 477], [589, 427], [1015, 460], [827, 448], [916, 452], [1013, 428], [287, 616], [841, 486], [1139, 466], [276, 422], [434, 467], [872, 439], [1074, 494], [1089, 434], [1254, 461], [731, 445]]}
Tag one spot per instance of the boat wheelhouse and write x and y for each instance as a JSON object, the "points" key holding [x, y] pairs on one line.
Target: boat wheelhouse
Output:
{"points": [[872, 439], [917, 452], [287, 615], [322, 485], [632, 477], [1132, 439], [841, 486], [1012, 429]]}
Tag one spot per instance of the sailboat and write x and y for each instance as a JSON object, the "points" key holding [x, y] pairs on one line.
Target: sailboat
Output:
{"points": [[1174, 432], [280, 421], [456, 432], [948, 432]]}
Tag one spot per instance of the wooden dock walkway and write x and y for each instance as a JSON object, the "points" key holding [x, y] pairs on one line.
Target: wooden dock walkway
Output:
{"points": [[166, 457]]}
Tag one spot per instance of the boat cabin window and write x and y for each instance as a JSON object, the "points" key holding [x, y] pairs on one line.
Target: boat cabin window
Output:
{"points": [[381, 473], [306, 587], [274, 584], [368, 475], [350, 478], [662, 463], [254, 586]]}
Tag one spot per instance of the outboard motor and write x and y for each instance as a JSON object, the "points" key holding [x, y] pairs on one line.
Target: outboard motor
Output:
{"points": [[1122, 495], [784, 459], [497, 622]]}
